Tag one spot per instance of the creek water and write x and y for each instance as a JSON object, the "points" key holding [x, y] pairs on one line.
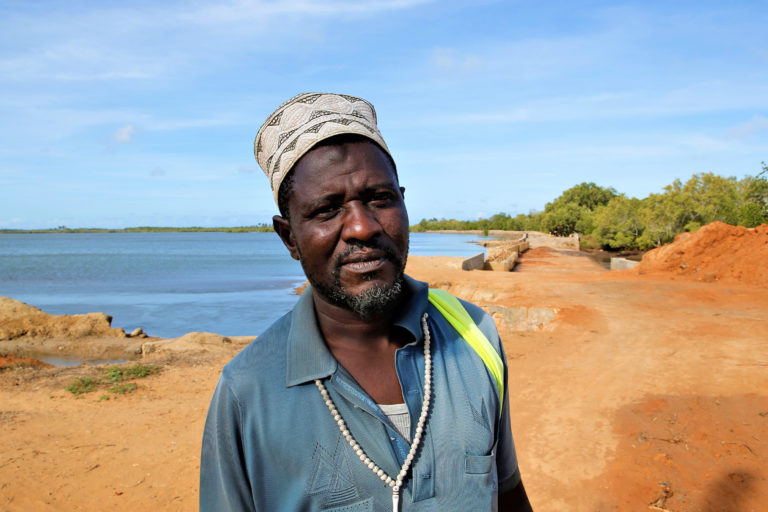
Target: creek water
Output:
{"points": [[234, 284]]}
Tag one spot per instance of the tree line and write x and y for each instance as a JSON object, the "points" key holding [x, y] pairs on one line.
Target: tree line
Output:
{"points": [[605, 218]]}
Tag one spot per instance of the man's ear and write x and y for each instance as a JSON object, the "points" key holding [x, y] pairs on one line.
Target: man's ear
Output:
{"points": [[283, 229]]}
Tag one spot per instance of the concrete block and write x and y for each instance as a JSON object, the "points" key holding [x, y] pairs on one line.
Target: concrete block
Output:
{"points": [[476, 262], [623, 264], [496, 266], [505, 265]]}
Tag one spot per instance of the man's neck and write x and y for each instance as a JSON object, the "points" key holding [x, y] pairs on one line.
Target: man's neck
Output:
{"points": [[365, 347], [344, 328]]}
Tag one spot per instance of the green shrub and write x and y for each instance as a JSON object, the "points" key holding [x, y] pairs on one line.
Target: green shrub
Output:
{"points": [[137, 371], [589, 242], [114, 376], [123, 388], [82, 385]]}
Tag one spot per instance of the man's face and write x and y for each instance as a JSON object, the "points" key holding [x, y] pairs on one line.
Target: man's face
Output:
{"points": [[348, 226]]}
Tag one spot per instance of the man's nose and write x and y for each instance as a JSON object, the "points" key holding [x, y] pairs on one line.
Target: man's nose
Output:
{"points": [[360, 223]]}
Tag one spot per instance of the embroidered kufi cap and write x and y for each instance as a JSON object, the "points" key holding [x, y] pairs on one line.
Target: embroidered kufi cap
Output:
{"points": [[303, 121]]}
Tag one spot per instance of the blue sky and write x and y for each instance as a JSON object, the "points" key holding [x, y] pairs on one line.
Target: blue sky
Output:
{"points": [[120, 114]]}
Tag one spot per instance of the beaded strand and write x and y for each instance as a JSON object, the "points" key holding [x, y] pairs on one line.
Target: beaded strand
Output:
{"points": [[395, 483]]}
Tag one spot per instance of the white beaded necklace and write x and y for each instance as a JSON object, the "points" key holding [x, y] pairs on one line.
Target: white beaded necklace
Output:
{"points": [[394, 483]]}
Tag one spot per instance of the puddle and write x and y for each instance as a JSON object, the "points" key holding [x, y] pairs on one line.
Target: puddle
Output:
{"points": [[604, 257]]}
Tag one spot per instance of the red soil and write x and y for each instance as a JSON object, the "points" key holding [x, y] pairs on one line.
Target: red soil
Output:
{"points": [[716, 252], [11, 361], [540, 252]]}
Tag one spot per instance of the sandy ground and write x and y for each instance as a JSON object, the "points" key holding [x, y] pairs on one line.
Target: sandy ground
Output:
{"points": [[628, 393]]}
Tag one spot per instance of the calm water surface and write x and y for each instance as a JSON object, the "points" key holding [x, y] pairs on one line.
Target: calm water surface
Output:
{"points": [[170, 283]]}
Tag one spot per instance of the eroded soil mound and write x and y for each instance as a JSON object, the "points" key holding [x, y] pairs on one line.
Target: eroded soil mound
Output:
{"points": [[195, 342], [18, 320], [12, 361], [716, 252]]}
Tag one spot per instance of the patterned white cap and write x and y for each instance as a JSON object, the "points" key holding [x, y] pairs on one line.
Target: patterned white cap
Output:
{"points": [[303, 121]]}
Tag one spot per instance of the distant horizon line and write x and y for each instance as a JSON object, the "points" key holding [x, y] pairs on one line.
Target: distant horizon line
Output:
{"points": [[258, 228], [143, 229]]}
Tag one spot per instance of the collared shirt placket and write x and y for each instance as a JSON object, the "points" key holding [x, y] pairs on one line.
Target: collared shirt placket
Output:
{"points": [[419, 483]]}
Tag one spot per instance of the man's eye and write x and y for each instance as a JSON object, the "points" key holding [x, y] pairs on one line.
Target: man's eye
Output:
{"points": [[383, 199], [325, 211]]}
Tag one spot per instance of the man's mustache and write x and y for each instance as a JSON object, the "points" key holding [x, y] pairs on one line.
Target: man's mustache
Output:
{"points": [[359, 246]]}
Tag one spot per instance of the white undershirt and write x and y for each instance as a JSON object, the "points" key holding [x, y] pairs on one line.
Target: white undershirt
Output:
{"points": [[399, 417]]}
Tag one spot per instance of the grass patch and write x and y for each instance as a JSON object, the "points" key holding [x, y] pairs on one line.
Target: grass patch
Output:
{"points": [[113, 374], [82, 385], [137, 371], [123, 388], [115, 379]]}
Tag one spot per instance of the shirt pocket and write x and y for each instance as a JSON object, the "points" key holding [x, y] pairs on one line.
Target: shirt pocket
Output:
{"points": [[478, 464], [480, 478]]}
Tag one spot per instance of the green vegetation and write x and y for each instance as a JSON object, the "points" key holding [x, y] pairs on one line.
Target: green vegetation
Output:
{"points": [[611, 220], [137, 371], [82, 385], [123, 388], [259, 228], [115, 378]]}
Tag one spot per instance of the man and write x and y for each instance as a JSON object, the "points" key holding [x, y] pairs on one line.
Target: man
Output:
{"points": [[364, 397]]}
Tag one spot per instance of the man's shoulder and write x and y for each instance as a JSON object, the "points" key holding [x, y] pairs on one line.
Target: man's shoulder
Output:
{"points": [[264, 355], [484, 321]]}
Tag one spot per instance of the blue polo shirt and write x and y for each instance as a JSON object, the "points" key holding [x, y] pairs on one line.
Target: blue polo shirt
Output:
{"points": [[271, 445]]}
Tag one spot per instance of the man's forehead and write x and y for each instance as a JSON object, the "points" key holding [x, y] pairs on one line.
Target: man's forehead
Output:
{"points": [[363, 162]]}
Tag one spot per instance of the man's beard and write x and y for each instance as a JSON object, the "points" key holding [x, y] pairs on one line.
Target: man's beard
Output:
{"points": [[368, 303]]}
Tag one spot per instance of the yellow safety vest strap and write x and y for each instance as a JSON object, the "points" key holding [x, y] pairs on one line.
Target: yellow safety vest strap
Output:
{"points": [[450, 307]]}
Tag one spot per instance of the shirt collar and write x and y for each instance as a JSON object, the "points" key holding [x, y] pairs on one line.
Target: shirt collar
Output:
{"points": [[307, 355], [409, 315]]}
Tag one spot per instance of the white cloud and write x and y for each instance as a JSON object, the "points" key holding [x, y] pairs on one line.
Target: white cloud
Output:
{"points": [[155, 42], [453, 61], [516, 60], [754, 125], [707, 97], [185, 124], [124, 134], [249, 10]]}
